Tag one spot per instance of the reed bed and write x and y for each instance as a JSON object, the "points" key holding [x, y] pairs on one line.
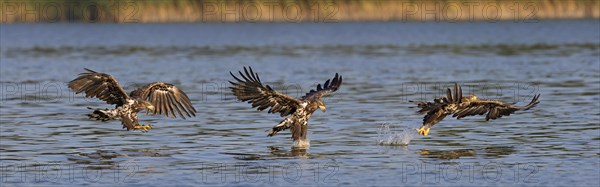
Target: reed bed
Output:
{"points": [[232, 11]]}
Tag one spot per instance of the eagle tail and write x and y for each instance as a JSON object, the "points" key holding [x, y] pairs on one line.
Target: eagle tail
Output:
{"points": [[533, 102]]}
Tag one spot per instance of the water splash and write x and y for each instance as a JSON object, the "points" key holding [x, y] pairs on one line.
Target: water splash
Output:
{"points": [[301, 144], [388, 135]]}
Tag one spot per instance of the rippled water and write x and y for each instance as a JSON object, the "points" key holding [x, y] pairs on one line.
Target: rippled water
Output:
{"points": [[47, 139]]}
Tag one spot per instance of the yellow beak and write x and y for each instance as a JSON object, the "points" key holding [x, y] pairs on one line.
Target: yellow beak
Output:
{"points": [[322, 108], [151, 108]]}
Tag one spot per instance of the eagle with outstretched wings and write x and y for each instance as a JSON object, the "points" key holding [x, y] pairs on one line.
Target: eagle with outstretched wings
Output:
{"points": [[248, 87], [462, 106], [158, 97]]}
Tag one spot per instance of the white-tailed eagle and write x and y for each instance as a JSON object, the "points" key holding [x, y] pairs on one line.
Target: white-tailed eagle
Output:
{"points": [[461, 106], [158, 98], [249, 88]]}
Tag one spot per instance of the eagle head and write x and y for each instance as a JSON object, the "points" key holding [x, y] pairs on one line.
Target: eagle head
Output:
{"points": [[321, 105], [469, 98], [142, 104], [148, 106]]}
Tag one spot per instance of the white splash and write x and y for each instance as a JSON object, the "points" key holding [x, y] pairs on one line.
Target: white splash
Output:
{"points": [[301, 144], [388, 135]]}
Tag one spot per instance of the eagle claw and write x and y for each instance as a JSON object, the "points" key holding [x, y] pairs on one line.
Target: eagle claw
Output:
{"points": [[143, 128], [423, 131]]}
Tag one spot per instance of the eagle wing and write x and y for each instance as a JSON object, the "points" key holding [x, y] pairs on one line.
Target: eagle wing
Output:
{"points": [[494, 109], [425, 107], [439, 109], [167, 99], [328, 88], [434, 116], [100, 85], [262, 96]]}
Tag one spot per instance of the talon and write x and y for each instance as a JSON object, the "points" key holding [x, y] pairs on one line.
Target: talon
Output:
{"points": [[423, 131], [143, 128]]}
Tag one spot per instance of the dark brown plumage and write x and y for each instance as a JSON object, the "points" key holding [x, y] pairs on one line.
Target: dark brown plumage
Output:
{"points": [[461, 106], [158, 97], [249, 88]]}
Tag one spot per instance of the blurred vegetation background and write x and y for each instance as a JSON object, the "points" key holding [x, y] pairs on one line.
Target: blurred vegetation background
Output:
{"points": [[151, 11]]}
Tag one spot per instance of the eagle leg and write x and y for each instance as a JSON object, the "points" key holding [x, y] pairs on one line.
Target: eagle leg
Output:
{"points": [[284, 124], [423, 131], [102, 114], [143, 128], [275, 130]]}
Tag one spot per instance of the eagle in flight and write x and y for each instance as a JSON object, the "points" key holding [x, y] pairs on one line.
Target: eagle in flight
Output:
{"points": [[460, 107], [158, 98], [250, 88]]}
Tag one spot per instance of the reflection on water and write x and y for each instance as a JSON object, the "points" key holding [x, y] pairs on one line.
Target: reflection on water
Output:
{"points": [[385, 65], [497, 151], [278, 152], [447, 154], [275, 153]]}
